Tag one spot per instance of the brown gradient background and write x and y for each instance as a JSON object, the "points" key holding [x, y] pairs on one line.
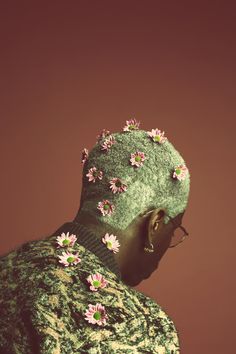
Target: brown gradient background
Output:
{"points": [[71, 68]]}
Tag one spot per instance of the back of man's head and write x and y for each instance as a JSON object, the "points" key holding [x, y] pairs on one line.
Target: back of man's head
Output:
{"points": [[152, 172]]}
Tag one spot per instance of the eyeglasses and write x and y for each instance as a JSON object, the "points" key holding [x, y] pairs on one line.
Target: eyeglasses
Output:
{"points": [[179, 234]]}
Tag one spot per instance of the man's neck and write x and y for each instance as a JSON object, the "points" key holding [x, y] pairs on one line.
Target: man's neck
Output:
{"points": [[91, 240], [94, 225]]}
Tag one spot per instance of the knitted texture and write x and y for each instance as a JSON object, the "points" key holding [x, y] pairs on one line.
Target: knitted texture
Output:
{"points": [[43, 304], [149, 186]]}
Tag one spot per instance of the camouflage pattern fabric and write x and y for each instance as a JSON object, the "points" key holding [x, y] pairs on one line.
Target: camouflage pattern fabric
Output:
{"points": [[43, 304]]}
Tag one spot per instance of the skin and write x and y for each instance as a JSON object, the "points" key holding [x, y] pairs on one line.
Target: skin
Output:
{"points": [[136, 265]]}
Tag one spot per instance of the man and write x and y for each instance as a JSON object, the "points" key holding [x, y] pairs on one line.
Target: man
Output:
{"points": [[71, 292]]}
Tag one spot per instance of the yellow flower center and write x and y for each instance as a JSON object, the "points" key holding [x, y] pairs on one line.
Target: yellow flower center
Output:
{"points": [[96, 283], [70, 259], [97, 315], [109, 244], [66, 242]]}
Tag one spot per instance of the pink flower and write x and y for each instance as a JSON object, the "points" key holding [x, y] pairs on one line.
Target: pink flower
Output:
{"points": [[108, 142], [65, 240], [111, 242], [103, 134], [97, 281], [137, 158], [157, 136], [93, 174], [106, 207], [180, 172], [84, 155], [69, 258], [96, 314], [117, 186], [131, 124]]}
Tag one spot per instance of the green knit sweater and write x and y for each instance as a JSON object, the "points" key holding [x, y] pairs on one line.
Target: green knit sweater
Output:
{"points": [[43, 303]]}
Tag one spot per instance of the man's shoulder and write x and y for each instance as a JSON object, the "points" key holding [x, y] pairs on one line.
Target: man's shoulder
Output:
{"points": [[55, 300]]}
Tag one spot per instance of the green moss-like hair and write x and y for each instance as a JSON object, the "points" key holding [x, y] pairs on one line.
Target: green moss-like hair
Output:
{"points": [[149, 186]]}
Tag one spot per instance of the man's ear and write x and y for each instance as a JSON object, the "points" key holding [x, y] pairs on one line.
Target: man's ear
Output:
{"points": [[156, 219], [154, 223]]}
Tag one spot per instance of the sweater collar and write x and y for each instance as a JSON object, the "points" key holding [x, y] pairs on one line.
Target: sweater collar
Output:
{"points": [[90, 241]]}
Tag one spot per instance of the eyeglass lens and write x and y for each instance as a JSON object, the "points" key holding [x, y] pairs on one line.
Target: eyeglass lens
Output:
{"points": [[177, 236]]}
